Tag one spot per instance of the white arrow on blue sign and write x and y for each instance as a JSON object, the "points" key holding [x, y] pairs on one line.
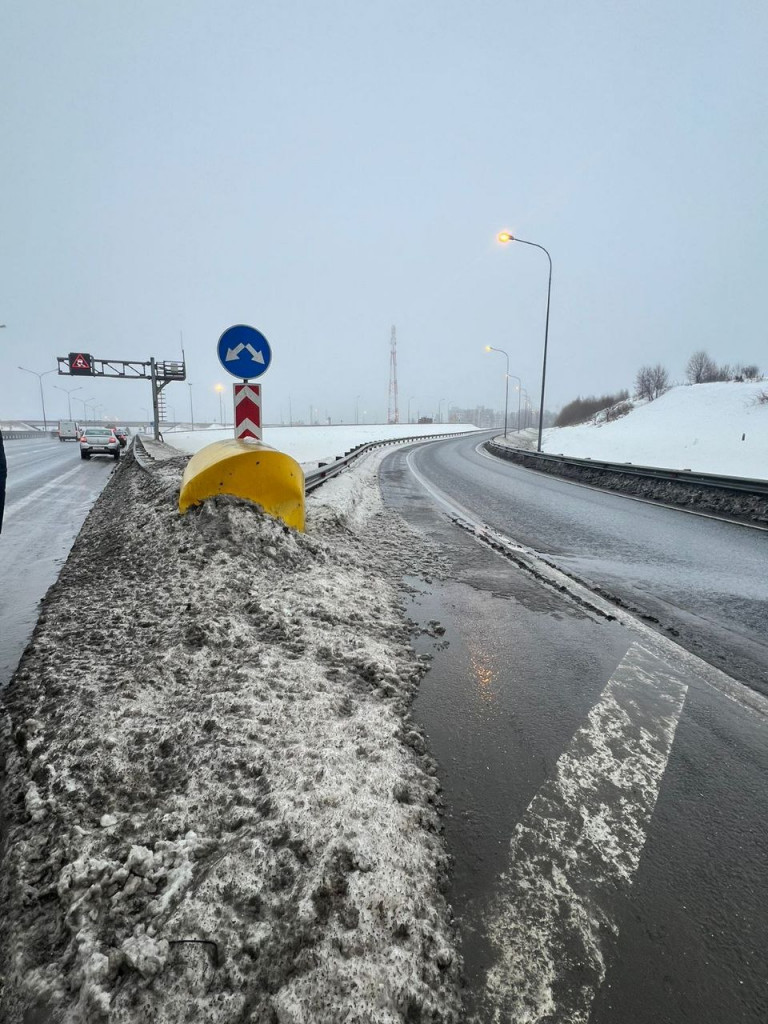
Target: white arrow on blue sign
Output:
{"points": [[244, 352]]}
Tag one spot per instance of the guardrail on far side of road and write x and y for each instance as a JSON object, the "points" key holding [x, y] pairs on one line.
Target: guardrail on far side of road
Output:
{"points": [[313, 478], [26, 435], [737, 498]]}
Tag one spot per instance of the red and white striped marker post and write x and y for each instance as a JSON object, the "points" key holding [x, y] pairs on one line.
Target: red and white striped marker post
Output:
{"points": [[247, 411]]}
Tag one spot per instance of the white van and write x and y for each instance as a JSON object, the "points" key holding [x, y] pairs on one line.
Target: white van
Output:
{"points": [[67, 430]]}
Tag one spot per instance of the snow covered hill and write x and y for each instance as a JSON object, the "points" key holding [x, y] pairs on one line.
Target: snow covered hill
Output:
{"points": [[709, 428]]}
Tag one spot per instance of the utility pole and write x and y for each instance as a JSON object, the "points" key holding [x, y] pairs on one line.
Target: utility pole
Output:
{"points": [[393, 412]]}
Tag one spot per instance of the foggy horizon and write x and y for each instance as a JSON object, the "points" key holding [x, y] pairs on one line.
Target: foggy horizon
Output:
{"points": [[325, 173]]}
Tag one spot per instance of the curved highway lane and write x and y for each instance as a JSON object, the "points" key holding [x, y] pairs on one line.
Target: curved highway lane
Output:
{"points": [[700, 580], [606, 792]]}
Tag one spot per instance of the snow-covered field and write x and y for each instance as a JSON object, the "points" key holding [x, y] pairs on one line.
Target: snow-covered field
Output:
{"points": [[316, 444], [709, 428], [215, 805]]}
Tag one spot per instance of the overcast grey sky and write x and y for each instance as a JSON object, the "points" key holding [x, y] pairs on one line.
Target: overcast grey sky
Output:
{"points": [[326, 170]]}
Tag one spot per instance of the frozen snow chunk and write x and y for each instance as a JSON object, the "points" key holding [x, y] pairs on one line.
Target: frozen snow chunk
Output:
{"points": [[145, 954], [107, 820], [140, 860], [34, 804], [95, 982]]}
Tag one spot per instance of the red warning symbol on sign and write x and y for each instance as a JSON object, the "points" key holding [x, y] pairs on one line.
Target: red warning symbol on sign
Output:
{"points": [[80, 363]]}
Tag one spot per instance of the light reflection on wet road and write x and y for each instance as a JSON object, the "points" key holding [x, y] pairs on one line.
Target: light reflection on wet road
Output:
{"points": [[704, 581], [50, 491], [512, 683]]}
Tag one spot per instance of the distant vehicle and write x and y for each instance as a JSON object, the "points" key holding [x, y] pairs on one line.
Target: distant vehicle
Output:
{"points": [[99, 441], [67, 430], [121, 433]]}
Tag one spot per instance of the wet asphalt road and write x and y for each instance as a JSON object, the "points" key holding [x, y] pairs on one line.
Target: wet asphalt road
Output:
{"points": [[49, 492], [585, 891], [704, 581]]}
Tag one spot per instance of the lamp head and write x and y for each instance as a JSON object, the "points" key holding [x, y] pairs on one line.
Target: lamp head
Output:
{"points": [[505, 236], [488, 348]]}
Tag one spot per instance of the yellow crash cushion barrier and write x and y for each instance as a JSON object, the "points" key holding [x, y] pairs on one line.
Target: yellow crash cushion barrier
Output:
{"points": [[246, 469]]}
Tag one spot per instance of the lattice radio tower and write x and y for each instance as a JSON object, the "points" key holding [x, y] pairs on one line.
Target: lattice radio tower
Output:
{"points": [[393, 411]]}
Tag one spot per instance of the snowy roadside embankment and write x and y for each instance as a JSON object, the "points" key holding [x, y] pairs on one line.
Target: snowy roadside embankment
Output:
{"points": [[717, 428], [216, 807]]}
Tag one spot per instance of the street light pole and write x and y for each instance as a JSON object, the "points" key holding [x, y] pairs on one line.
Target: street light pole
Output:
{"points": [[490, 348], [83, 401], [68, 393], [528, 407], [519, 389], [506, 236], [191, 411], [42, 397]]}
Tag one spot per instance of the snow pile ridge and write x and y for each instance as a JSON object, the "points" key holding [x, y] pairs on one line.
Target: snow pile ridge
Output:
{"points": [[217, 805], [717, 428]]}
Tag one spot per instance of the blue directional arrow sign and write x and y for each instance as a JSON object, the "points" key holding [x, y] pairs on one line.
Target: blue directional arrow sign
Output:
{"points": [[244, 352]]}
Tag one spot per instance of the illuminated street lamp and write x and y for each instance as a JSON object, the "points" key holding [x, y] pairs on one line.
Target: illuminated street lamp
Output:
{"points": [[504, 237], [528, 408], [220, 389], [519, 389], [490, 348], [42, 398]]}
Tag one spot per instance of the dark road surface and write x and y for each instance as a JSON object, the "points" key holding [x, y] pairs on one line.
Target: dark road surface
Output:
{"points": [[704, 581], [607, 806], [49, 493]]}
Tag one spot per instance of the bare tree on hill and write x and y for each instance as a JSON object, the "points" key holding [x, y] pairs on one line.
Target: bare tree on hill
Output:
{"points": [[651, 381], [701, 369]]}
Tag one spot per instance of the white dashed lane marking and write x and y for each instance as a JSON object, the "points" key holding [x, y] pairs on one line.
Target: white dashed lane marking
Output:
{"points": [[577, 848]]}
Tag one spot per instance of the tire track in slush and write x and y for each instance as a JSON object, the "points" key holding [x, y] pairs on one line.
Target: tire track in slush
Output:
{"points": [[15, 507], [575, 852]]}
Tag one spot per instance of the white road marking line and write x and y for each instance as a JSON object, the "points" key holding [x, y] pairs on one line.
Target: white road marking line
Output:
{"points": [[19, 506], [578, 847]]}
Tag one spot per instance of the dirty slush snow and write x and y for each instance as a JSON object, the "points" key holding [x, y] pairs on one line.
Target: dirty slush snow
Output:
{"points": [[216, 805]]}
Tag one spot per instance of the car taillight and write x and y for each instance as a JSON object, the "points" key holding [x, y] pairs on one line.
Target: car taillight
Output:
{"points": [[83, 439]]}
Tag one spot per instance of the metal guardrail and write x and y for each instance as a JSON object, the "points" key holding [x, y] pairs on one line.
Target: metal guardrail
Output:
{"points": [[683, 476], [26, 435], [140, 453], [314, 478], [325, 471]]}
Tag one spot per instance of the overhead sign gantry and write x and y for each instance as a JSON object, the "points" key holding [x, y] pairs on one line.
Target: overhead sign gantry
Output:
{"points": [[160, 373]]}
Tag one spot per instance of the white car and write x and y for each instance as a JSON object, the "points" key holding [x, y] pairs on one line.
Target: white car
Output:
{"points": [[99, 441]]}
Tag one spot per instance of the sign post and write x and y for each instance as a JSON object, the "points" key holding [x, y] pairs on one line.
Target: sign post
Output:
{"points": [[245, 353]]}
